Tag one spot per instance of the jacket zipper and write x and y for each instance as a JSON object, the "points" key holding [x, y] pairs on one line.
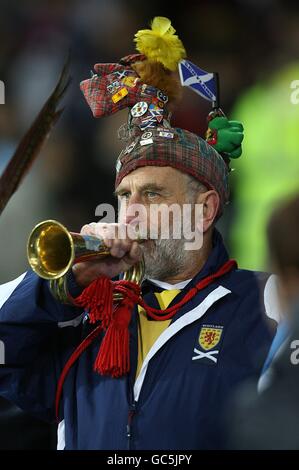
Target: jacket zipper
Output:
{"points": [[131, 413]]}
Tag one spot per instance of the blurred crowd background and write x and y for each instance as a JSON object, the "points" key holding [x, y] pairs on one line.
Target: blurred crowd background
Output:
{"points": [[253, 44]]}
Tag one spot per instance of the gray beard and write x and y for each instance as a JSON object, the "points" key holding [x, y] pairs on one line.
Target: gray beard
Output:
{"points": [[165, 258]]}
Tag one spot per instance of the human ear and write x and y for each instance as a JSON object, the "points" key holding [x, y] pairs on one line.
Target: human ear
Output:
{"points": [[210, 204]]}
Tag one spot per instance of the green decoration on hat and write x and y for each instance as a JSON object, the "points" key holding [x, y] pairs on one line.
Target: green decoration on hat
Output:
{"points": [[226, 136]]}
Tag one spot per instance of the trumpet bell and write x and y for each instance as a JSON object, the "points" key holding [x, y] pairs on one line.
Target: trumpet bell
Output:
{"points": [[52, 249]]}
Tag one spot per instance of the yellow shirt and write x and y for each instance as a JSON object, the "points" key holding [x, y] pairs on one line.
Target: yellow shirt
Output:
{"points": [[150, 330]]}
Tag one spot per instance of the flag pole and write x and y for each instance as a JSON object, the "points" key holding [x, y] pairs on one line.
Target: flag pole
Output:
{"points": [[216, 103], [216, 110]]}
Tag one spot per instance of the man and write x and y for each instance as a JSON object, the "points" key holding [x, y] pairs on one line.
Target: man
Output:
{"points": [[154, 375]]}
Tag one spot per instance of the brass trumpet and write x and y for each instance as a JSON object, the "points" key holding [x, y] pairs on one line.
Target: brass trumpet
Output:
{"points": [[52, 250]]}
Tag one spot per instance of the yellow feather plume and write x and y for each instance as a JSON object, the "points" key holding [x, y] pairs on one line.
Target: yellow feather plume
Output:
{"points": [[160, 44]]}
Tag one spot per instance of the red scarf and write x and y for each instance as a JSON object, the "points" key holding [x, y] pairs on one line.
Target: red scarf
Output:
{"points": [[114, 357]]}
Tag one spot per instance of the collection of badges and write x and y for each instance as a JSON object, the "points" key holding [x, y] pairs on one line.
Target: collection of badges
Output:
{"points": [[145, 139], [149, 114], [118, 88]]}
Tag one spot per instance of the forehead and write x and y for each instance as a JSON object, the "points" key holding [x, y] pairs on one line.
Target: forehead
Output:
{"points": [[165, 176]]}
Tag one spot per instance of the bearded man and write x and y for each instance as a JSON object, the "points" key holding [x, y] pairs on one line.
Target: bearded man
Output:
{"points": [[155, 371]]}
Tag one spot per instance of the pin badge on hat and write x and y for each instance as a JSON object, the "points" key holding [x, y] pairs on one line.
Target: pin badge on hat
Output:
{"points": [[119, 95], [118, 165], [147, 122], [130, 81], [146, 135], [167, 135], [146, 141], [146, 138], [139, 109], [162, 97], [130, 147], [122, 74], [148, 90], [154, 107], [112, 88]]}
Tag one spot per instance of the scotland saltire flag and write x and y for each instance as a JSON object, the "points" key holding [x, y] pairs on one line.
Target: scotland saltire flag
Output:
{"points": [[203, 83]]}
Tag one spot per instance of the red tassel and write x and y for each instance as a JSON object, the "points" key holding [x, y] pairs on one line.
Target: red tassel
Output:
{"points": [[114, 355], [97, 298]]}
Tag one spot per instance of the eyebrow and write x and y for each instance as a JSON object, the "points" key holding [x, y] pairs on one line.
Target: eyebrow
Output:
{"points": [[145, 187]]}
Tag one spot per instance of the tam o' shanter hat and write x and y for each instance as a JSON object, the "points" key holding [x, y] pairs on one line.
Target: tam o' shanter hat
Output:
{"points": [[146, 84]]}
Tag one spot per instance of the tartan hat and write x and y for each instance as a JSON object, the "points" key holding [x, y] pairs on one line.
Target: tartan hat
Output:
{"points": [[150, 139], [177, 148]]}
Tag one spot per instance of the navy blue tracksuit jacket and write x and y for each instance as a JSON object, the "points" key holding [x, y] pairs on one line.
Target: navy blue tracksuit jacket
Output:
{"points": [[213, 343]]}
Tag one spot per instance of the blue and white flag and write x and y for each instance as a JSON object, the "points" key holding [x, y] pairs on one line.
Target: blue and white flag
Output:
{"points": [[203, 83]]}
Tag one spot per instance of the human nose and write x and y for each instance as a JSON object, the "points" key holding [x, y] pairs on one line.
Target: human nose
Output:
{"points": [[132, 215], [135, 213]]}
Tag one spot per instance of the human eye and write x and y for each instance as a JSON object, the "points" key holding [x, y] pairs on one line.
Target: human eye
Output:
{"points": [[151, 194], [124, 195]]}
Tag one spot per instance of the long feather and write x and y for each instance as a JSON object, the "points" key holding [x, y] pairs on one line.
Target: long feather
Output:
{"points": [[31, 143]]}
